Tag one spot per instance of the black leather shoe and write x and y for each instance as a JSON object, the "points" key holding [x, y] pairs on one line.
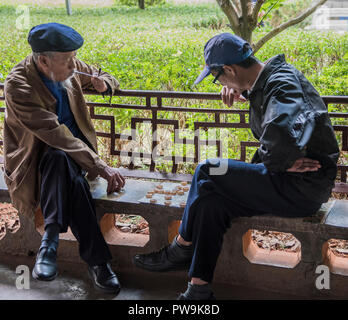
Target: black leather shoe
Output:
{"points": [[45, 266], [197, 292], [104, 279], [170, 258]]}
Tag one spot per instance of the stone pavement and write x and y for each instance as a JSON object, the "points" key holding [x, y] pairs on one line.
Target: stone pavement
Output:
{"points": [[73, 283]]}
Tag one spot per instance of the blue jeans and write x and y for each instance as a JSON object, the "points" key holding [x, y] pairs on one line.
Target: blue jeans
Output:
{"points": [[244, 190]]}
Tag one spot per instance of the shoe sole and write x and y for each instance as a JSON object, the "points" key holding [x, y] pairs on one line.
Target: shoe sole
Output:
{"points": [[37, 277], [102, 289], [171, 269]]}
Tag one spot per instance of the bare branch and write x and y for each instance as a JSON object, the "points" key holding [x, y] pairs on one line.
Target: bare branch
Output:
{"points": [[256, 9], [246, 4], [237, 6], [231, 14], [287, 24]]}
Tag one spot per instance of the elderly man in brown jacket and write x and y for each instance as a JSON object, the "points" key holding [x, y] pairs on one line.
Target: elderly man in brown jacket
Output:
{"points": [[50, 144]]}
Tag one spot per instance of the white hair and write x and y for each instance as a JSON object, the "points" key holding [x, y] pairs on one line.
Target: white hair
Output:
{"points": [[48, 54]]}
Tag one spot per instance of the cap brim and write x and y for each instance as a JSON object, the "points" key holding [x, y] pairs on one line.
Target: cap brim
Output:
{"points": [[204, 73]]}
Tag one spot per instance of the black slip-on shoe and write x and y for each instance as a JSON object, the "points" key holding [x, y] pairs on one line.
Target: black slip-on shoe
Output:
{"points": [[172, 257], [197, 292], [45, 268], [104, 279]]}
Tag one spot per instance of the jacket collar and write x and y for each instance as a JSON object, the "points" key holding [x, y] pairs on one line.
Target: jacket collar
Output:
{"points": [[270, 66], [36, 82]]}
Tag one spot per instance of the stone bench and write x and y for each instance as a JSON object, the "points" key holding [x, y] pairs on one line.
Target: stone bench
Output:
{"points": [[234, 266]]}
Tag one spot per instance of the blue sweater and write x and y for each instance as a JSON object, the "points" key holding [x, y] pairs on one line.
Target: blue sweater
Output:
{"points": [[65, 116]]}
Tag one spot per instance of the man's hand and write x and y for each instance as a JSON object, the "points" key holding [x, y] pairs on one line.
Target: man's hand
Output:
{"points": [[229, 96], [98, 83], [115, 180], [304, 165]]}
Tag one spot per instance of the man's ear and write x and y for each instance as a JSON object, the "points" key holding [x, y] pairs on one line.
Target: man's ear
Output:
{"points": [[43, 61], [229, 70]]}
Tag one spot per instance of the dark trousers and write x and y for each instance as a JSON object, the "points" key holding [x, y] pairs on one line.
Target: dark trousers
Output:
{"points": [[244, 190], [66, 199]]}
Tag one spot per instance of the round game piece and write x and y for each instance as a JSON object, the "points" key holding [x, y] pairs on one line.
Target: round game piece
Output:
{"points": [[167, 192], [183, 183], [151, 192], [186, 189], [183, 204], [160, 191], [153, 200], [167, 203], [168, 197], [178, 187], [173, 193], [149, 196], [159, 186], [180, 193]]}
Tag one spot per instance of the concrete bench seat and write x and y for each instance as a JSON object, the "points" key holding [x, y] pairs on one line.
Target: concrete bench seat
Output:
{"points": [[233, 267]]}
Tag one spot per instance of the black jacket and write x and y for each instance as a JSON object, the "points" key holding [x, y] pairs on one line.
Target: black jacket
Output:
{"points": [[291, 121]]}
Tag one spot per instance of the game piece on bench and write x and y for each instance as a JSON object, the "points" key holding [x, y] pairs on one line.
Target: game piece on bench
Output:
{"points": [[184, 183], [168, 197], [167, 203], [153, 200]]}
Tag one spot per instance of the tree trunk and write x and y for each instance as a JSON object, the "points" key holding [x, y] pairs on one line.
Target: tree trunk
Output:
{"points": [[141, 4], [243, 18], [68, 7]]}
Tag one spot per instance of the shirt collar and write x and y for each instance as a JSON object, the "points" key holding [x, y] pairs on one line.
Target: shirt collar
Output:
{"points": [[258, 76]]}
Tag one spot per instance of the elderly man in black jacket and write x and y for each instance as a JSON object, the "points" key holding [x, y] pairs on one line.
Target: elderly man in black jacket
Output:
{"points": [[291, 174]]}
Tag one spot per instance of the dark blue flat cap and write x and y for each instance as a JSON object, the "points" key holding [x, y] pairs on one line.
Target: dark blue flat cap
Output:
{"points": [[223, 49], [54, 37]]}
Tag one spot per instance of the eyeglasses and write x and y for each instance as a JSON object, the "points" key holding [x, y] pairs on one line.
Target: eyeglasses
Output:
{"points": [[221, 71]]}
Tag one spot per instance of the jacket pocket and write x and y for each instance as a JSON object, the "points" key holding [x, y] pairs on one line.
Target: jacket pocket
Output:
{"points": [[15, 178]]}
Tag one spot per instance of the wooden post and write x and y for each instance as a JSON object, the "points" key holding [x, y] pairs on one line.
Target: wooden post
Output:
{"points": [[141, 4], [68, 7]]}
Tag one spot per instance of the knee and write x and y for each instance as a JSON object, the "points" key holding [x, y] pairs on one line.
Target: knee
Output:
{"points": [[201, 167], [80, 182], [55, 155], [52, 159], [212, 166]]}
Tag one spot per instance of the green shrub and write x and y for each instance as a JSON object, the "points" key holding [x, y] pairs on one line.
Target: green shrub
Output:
{"points": [[215, 23], [135, 2]]}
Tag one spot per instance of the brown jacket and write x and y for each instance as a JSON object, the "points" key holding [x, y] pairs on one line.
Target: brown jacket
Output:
{"points": [[31, 124]]}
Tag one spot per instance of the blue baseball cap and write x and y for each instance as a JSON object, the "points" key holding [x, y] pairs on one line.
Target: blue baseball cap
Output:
{"points": [[54, 37], [223, 49]]}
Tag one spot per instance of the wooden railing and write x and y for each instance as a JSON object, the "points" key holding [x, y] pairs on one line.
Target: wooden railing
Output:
{"points": [[152, 111]]}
